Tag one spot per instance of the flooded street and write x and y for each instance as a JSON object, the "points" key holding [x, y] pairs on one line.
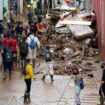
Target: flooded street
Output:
{"points": [[46, 93]]}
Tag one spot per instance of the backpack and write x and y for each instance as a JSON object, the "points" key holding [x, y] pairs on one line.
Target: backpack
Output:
{"points": [[81, 83], [33, 43], [9, 55], [24, 71], [24, 48], [48, 55]]}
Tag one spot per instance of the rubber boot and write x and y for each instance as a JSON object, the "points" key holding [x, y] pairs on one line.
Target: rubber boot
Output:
{"points": [[43, 77], [9, 75], [26, 98], [29, 100], [4, 76], [51, 77]]}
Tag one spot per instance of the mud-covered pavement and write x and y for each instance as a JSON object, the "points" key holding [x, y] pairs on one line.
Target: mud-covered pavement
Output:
{"points": [[46, 93]]}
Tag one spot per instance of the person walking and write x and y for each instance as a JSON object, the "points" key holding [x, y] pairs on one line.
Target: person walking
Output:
{"points": [[2, 47], [48, 56], [102, 83], [19, 31], [23, 46], [27, 78], [8, 60], [78, 86], [12, 16], [33, 44], [39, 7], [14, 48], [30, 17], [81, 5], [1, 30], [26, 27]]}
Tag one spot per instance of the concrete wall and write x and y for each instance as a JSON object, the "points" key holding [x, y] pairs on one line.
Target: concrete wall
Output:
{"points": [[6, 5], [1, 9]]}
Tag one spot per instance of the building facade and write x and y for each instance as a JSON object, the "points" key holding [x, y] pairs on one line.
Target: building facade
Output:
{"points": [[1, 9], [99, 8], [3, 4], [7, 4]]}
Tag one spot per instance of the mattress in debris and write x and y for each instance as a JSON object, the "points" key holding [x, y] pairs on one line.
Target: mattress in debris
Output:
{"points": [[80, 31]]}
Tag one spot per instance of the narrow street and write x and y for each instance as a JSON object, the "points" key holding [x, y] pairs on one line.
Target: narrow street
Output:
{"points": [[47, 93], [62, 38]]}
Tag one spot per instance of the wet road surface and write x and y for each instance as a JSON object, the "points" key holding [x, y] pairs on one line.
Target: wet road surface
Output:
{"points": [[46, 93]]}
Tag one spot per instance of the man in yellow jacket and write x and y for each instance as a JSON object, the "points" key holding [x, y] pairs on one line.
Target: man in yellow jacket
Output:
{"points": [[27, 78]]}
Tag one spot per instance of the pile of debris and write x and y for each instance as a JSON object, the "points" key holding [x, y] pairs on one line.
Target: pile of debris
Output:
{"points": [[72, 42]]}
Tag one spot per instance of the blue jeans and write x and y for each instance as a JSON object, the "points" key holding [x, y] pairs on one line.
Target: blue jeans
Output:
{"points": [[77, 94]]}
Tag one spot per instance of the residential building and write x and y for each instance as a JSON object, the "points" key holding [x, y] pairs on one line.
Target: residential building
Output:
{"points": [[99, 8]]}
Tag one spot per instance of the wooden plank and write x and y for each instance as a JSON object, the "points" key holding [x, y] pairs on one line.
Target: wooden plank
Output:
{"points": [[75, 22]]}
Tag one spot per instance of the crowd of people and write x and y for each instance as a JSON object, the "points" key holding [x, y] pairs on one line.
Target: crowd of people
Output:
{"points": [[14, 45], [19, 44]]}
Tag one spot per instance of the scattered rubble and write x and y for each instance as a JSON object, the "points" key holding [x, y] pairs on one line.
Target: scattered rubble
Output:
{"points": [[71, 43]]}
